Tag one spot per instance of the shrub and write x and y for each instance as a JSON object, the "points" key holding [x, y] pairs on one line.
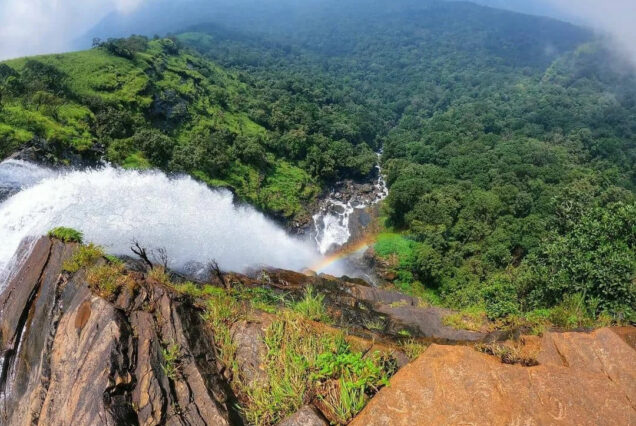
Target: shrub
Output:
{"points": [[67, 235], [356, 376], [500, 297], [171, 357], [573, 312]]}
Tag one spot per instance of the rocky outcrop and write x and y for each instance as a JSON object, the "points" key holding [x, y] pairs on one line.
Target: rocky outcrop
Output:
{"points": [[249, 339], [71, 357], [368, 310], [582, 378], [75, 354]]}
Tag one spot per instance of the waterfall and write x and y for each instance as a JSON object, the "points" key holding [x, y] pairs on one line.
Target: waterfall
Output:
{"points": [[112, 207], [331, 223]]}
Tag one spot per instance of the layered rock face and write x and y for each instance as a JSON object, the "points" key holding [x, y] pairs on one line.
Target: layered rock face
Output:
{"points": [[144, 356], [70, 357], [581, 379]]}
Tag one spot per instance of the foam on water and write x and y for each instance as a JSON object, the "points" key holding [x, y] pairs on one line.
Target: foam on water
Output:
{"points": [[112, 207]]}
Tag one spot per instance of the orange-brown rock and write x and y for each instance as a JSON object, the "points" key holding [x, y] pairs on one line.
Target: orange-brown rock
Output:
{"points": [[582, 379]]}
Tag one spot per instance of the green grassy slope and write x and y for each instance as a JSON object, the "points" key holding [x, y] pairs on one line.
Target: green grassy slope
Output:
{"points": [[141, 103]]}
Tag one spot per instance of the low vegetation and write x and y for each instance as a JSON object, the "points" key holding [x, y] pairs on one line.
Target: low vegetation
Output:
{"points": [[509, 353], [412, 348], [108, 279], [84, 256], [171, 359], [67, 235], [312, 306], [304, 363]]}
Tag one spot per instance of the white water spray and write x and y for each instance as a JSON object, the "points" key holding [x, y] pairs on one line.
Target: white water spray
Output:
{"points": [[112, 206]]}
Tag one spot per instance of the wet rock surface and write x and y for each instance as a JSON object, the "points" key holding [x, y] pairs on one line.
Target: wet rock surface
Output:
{"points": [[582, 378], [71, 357]]}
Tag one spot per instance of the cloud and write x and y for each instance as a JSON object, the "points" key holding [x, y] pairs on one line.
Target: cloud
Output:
{"points": [[29, 27], [616, 18]]}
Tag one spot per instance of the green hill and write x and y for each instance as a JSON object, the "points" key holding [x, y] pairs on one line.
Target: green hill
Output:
{"points": [[508, 145], [141, 103]]}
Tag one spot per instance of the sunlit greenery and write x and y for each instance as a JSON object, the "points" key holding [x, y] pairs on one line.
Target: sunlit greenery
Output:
{"points": [[508, 139]]}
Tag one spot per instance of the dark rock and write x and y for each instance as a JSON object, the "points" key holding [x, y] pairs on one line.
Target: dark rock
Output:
{"points": [[41, 151], [366, 188], [71, 357], [369, 310], [306, 416]]}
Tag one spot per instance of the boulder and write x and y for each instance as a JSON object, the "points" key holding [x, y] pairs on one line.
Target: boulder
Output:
{"points": [[306, 416], [582, 378]]}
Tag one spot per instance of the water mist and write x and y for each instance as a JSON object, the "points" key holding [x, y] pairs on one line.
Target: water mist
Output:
{"points": [[113, 206]]}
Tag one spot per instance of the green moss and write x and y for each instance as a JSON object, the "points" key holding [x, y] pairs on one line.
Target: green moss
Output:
{"points": [[67, 235]]}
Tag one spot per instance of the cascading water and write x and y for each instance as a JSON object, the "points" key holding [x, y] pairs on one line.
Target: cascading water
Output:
{"points": [[112, 207], [331, 223]]}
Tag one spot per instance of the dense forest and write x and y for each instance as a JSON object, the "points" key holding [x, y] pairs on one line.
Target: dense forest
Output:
{"points": [[509, 141], [146, 103]]}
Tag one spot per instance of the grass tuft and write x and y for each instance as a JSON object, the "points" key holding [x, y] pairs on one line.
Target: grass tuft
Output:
{"points": [[171, 360], [312, 306], [83, 257], [107, 280], [67, 235], [412, 348], [508, 354]]}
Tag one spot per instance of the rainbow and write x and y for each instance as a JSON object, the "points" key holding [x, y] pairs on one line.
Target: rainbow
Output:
{"points": [[343, 253]]}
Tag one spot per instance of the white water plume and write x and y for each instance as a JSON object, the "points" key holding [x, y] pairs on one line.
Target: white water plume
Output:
{"points": [[112, 206]]}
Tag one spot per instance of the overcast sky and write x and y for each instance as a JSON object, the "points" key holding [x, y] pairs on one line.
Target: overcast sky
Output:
{"points": [[30, 27]]}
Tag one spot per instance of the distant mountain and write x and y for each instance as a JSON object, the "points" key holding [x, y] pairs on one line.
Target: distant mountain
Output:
{"points": [[531, 7]]}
